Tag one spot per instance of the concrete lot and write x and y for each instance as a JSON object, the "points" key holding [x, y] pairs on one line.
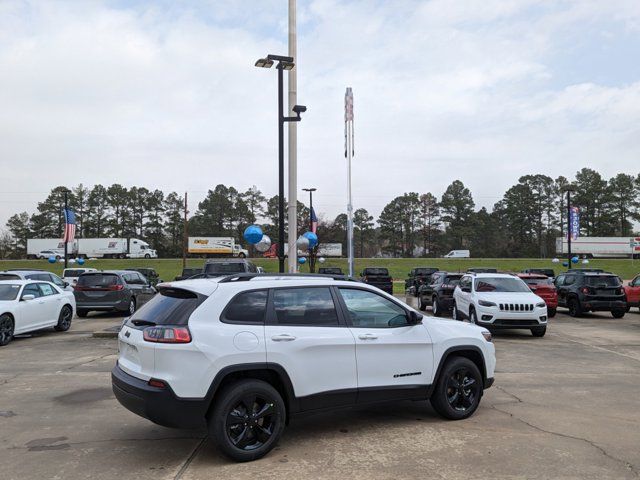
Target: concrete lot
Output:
{"points": [[563, 406]]}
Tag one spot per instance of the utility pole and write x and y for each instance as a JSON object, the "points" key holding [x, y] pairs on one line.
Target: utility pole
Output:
{"points": [[293, 144], [66, 206], [185, 235]]}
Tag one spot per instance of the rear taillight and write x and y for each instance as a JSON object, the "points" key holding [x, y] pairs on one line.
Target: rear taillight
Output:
{"points": [[585, 290], [78, 288], [167, 334], [116, 288]]}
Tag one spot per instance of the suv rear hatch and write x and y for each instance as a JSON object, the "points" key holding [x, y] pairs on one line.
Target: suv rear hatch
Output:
{"points": [[378, 277], [98, 289], [162, 321], [603, 287]]}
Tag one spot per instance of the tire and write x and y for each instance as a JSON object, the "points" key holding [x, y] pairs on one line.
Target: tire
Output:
{"points": [[241, 255], [473, 316], [7, 327], [82, 313], [252, 400], [575, 309], [58, 257], [618, 313], [416, 293], [64, 319], [421, 305], [146, 255], [455, 313], [539, 331], [132, 307], [458, 389], [551, 312], [435, 306]]}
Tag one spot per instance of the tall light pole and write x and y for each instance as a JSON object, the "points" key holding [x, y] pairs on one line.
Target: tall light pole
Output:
{"points": [[284, 63], [293, 142], [348, 152], [312, 259], [569, 227]]}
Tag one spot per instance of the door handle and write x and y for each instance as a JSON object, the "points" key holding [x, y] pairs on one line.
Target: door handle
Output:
{"points": [[283, 337], [368, 336]]}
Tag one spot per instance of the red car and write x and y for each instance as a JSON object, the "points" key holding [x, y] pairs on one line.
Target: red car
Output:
{"points": [[542, 286], [632, 291]]}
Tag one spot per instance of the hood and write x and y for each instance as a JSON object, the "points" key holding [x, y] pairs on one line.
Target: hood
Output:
{"points": [[455, 328], [509, 297]]}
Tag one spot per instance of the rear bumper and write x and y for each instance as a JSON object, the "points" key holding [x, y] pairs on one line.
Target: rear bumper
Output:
{"points": [[160, 405], [603, 305], [121, 305]]}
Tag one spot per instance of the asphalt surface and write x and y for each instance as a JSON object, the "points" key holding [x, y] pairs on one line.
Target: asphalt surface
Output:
{"points": [[563, 406]]}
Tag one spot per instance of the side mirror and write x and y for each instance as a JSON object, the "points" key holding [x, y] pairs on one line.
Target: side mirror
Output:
{"points": [[66, 284], [28, 297], [414, 318]]}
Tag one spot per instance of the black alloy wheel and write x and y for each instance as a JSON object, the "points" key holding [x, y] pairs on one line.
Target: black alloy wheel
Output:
{"points": [[421, 305], [6, 329], [247, 420], [132, 306], [458, 389], [435, 306], [574, 307], [64, 319]]}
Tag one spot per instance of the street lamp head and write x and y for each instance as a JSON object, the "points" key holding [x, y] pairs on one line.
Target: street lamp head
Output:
{"points": [[309, 189], [299, 109], [285, 65], [264, 63]]}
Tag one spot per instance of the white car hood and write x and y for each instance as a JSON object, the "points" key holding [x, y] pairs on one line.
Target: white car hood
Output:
{"points": [[509, 297], [462, 329]]}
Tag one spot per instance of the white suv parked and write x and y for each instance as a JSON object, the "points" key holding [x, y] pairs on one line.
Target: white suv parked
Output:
{"points": [[243, 354], [496, 300]]}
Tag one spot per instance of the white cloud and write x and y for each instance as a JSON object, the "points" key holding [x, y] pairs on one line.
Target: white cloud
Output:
{"points": [[165, 95]]}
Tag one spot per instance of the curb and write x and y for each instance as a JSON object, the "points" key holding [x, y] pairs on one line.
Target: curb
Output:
{"points": [[111, 332]]}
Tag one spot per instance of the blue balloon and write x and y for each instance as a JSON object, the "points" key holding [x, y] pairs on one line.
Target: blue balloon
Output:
{"points": [[253, 234], [565, 264], [302, 260], [80, 261], [575, 260], [312, 237], [52, 259]]}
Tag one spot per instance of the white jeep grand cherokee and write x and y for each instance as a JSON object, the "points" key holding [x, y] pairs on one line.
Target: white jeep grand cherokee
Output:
{"points": [[243, 354], [495, 300]]}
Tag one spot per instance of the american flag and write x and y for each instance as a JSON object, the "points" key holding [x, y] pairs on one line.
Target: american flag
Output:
{"points": [[69, 226], [314, 221]]}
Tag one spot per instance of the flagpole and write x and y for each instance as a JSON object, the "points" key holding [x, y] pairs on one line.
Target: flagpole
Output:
{"points": [[66, 206], [348, 144]]}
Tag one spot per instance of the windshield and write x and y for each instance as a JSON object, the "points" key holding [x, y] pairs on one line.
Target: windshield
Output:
{"points": [[231, 267], [71, 272], [425, 271], [376, 271], [97, 280], [603, 280], [500, 285], [9, 291], [452, 280]]}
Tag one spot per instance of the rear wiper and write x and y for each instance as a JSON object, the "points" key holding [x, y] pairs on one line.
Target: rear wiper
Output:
{"points": [[139, 323]]}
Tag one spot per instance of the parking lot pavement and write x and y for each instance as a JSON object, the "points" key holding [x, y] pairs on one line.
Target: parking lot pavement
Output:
{"points": [[563, 406]]}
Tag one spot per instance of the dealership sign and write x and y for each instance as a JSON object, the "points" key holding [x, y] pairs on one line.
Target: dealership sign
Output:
{"points": [[574, 223]]}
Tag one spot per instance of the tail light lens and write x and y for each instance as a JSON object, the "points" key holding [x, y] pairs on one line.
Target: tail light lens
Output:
{"points": [[585, 290], [116, 288], [166, 334]]}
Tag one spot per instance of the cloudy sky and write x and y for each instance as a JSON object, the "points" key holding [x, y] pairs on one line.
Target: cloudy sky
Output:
{"points": [[164, 94]]}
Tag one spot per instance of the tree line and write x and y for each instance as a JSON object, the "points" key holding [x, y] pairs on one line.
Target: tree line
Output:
{"points": [[524, 223]]}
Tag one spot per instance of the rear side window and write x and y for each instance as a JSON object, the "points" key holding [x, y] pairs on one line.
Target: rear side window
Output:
{"points": [[304, 307], [247, 308], [9, 276], [97, 280], [171, 306], [46, 289]]}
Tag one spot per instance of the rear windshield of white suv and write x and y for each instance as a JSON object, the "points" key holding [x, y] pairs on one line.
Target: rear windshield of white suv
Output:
{"points": [[500, 285], [171, 306]]}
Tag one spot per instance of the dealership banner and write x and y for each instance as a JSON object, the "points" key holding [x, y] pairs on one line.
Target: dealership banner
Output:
{"points": [[574, 223]]}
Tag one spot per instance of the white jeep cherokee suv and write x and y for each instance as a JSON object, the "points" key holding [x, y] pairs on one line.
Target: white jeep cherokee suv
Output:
{"points": [[495, 300], [243, 354]]}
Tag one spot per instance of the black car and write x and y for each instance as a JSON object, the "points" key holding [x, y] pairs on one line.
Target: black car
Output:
{"points": [[330, 271], [582, 291], [228, 266], [439, 292], [547, 272], [149, 273], [111, 290], [482, 270], [378, 277], [417, 277], [188, 273]]}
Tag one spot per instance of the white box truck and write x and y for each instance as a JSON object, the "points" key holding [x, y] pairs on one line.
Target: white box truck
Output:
{"points": [[216, 246], [114, 248], [600, 247], [48, 247], [458, 254]]}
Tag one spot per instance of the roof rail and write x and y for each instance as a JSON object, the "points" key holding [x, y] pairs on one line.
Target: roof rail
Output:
{"points": [[244, 277]]}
